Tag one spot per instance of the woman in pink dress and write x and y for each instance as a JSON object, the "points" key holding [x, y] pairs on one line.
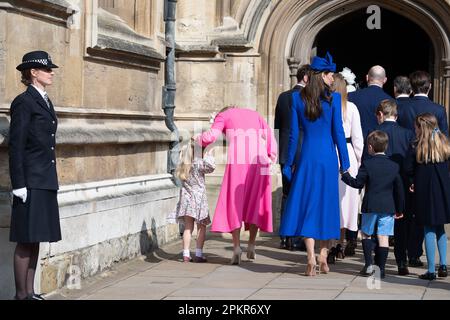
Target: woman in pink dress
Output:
{"points": [[246, 193]]}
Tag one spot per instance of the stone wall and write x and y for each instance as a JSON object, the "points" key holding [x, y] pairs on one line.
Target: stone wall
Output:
{"points": [[112, 141]]}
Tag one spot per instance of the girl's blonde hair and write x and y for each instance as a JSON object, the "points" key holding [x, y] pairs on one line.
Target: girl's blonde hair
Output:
{"points": [[340, 86], [186, 158], [432, 145]]}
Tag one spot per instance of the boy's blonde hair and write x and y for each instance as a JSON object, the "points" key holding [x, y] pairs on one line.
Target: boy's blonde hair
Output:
{"points": [[432, 145], [388, 108], [186, 158]]}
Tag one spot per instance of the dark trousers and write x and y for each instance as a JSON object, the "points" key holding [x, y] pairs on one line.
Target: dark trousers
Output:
{"points": [[408, 239]]}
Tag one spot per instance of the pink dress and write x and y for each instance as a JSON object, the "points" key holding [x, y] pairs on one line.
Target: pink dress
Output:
{"points": [[246, 193]]}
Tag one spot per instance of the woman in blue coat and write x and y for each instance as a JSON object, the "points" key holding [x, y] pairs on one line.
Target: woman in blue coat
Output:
{"points": [[312, 208]]}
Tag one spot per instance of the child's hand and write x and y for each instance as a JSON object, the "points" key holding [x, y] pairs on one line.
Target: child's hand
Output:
{"points": [[398, 215], [411, 188]]}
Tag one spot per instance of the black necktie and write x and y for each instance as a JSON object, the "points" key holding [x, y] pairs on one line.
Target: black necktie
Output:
{"points": [[47, 100]]}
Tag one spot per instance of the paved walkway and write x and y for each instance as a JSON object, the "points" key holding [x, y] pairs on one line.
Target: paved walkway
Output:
{"points": [[275, 274]]}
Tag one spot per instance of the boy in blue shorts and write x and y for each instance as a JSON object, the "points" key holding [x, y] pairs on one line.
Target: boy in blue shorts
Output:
{"points": [[383, 200]]}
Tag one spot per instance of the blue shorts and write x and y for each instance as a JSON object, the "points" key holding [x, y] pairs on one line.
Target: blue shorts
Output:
{"points": [[384, 222]]}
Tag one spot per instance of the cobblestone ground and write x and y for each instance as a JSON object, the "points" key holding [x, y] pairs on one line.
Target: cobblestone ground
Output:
{"points": [[275, 274]]}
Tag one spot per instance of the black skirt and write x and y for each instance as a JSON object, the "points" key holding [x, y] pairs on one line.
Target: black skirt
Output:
{"points": [[36, 220]]}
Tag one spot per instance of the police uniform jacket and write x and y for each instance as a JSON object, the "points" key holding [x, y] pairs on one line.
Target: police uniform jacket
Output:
{"points": [[32, 158]]}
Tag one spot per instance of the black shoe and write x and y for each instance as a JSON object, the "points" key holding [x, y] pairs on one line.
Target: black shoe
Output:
{"points": [[283, 243], [402, 269], [297, 244], [442, 272], [428, 276], [367, 271], [339, 252], [415, 263], [35, 296], [288, 243], [331, 258], [350, 248]]}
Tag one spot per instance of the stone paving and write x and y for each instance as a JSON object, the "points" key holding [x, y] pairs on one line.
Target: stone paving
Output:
{"points": [[275, 274]]}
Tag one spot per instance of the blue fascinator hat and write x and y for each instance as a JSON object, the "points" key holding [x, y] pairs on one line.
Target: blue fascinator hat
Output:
{"points": [[323, 64]]}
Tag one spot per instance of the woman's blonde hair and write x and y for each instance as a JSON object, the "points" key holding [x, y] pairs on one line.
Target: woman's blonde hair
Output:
{"points": [[186, 158], [432, 145], [340, 86]]}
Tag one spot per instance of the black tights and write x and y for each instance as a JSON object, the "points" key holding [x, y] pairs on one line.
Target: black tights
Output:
{"points": [[25, 262]]}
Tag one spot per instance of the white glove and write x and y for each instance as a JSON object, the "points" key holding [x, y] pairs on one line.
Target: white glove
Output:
{"points": [[21, 193]]}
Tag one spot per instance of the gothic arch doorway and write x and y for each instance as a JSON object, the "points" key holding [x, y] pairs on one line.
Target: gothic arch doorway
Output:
{"points": [[400, 45], [296, 30]]}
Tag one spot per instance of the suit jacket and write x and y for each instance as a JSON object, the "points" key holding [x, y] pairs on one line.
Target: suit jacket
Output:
{"points": [[420, 105], [32, 131], [384, 188], [283, 122], [400, 140], [406, 115], [367, 101]]}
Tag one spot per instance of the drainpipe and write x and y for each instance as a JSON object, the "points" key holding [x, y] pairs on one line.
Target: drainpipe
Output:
{"points": [[169, 88]]}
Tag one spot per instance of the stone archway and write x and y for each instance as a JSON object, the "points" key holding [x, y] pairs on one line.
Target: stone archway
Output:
{"points": [[289, 33]]}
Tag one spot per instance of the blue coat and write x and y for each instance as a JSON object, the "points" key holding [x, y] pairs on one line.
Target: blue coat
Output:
{"points": [[312, 207], [420, 105], [367, 100]]}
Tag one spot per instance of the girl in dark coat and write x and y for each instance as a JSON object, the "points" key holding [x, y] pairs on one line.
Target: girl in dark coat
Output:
{"points": [[427, 165]]}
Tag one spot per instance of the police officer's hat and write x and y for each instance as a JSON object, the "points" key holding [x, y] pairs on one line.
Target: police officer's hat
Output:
{"points": [[36, 59]]}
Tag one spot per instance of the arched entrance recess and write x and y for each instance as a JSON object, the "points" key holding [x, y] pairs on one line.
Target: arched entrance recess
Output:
{"points": [[289, 34]]}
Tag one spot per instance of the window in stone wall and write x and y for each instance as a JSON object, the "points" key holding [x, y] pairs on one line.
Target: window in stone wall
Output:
{"points": [[136, 13]]}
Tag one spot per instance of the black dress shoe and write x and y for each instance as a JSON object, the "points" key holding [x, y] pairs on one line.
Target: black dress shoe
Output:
{"points": [[428, 276], [283, 243], [350, 248], [415, 263], [297, 244], [367, 271], [331, 258], [402, 269], [442, 272], [288, 243], [35, 296]]}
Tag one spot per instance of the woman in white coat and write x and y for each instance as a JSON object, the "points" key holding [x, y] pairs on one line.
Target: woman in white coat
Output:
{"points": [[349, 197]]}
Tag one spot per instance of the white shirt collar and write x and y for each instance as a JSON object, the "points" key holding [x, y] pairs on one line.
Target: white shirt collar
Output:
{"points": [[375, 84], [41, 92], [421, 95], [380, 153], [300, 85], [391, 120], [403, 95]]}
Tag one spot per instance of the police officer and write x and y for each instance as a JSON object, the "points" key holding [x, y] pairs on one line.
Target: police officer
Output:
{"points": [[32, 164]]}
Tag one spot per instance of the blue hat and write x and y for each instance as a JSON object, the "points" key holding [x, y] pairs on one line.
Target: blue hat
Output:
{"points": [[323, 64], [36, 59]]}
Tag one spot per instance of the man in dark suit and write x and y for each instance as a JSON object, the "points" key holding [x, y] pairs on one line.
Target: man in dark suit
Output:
{"points": [[368, 99], [407, 229], [399, 142], [421, 86], [283, 125], [383, 199], [402, 92]]}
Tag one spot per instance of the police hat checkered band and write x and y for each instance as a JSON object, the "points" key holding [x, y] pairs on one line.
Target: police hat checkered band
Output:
{"points": [[41, 61]]}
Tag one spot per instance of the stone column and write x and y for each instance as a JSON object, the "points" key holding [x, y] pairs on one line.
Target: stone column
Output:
{"points": [[294, 64]]}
